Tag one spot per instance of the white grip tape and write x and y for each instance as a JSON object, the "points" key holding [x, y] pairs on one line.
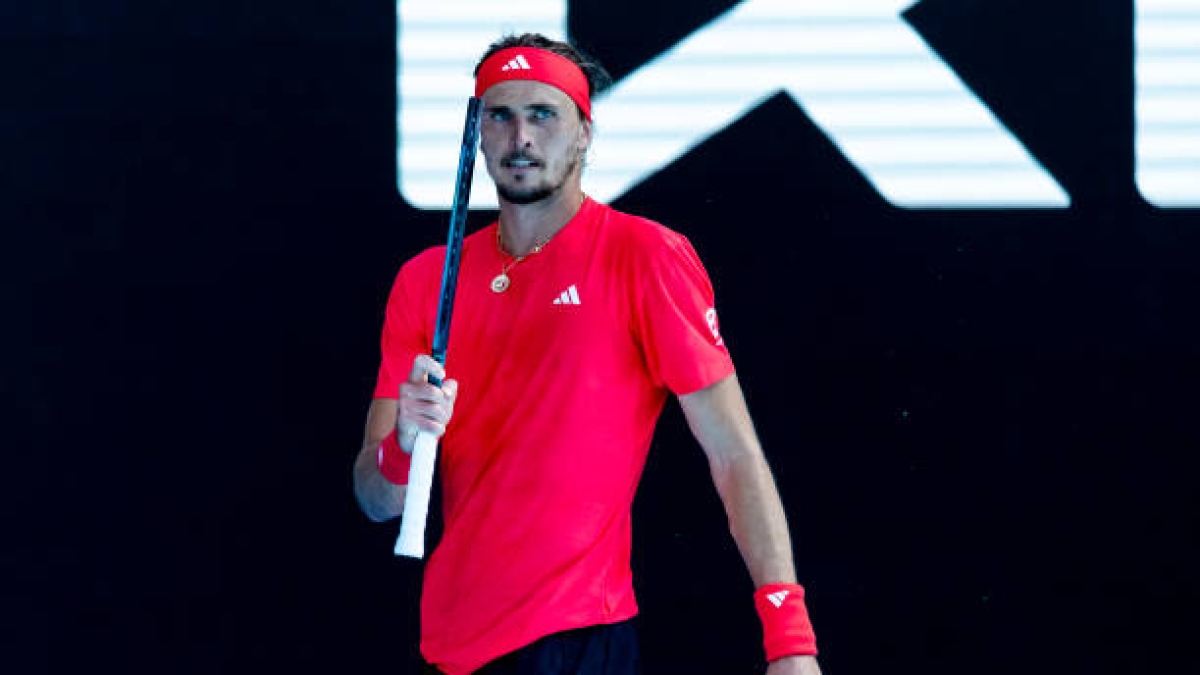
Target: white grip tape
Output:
{"points": [[411, 542]]}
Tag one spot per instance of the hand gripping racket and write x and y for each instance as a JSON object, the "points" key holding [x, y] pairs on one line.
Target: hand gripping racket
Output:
{"points": [[411, 542]]}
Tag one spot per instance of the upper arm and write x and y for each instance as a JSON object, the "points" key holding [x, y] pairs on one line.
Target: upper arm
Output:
{"points": [[720, 421], [408, 320], [674, 315]]}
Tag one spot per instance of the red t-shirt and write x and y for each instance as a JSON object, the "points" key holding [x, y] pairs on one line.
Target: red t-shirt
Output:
{"points": [[561, 380]]}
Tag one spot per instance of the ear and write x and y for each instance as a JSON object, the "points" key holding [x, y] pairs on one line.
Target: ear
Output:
{"points": [[585, 137]]}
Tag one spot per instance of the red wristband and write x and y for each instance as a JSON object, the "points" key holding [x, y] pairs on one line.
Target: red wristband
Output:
{"points": [[393, 460], [786, 628]]}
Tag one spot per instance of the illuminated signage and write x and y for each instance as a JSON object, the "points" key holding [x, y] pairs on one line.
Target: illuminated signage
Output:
{"points": [[1167, 73], [860, 72]]}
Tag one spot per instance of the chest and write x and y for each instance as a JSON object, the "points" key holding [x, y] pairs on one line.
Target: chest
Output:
{"points": [[573, 305]]}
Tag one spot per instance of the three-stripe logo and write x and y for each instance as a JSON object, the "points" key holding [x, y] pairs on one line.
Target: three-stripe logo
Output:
{"points": [[778, 598], [518, 63], [568, 297]]}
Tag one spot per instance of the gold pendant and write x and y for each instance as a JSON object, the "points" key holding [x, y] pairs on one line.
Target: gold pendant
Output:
{"points": [[500, 283]]}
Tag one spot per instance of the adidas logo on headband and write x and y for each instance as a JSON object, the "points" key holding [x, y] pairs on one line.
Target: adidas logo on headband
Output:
{"points": [[540, 65], [519, 63]]}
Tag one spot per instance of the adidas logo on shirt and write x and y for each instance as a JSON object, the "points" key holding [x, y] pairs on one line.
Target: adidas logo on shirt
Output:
{"points": [[778, 598], [568, 297], [518, 63]]}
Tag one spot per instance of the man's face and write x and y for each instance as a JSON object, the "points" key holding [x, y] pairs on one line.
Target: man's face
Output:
{"points": [[533, 140]]}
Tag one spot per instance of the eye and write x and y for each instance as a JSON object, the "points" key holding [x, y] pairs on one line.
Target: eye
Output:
{"points": [[544, 114], [499, 114]]}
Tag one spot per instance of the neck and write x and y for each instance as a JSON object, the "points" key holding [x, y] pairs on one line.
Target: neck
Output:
{"points": [[523, 226]]}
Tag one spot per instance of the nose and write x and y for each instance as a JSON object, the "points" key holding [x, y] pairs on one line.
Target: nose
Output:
{"points": [[522, 133]]}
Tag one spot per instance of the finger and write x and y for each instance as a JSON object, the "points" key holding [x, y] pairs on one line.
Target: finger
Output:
{"points": [[432, 428], [436, 412], [426, 407], [422, 392], [450, 389], [423, 366], [431, 420]]}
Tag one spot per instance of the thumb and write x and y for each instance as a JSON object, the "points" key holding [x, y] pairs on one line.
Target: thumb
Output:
{"points": [[423, 366], [451, 389]]}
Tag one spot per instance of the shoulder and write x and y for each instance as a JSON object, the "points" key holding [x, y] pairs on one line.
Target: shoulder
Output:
{"points": [[418, 274], [652, 258], [639, 236]]}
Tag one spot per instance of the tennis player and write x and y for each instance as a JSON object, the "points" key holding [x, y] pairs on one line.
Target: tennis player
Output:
{"points": [[573, 323]]}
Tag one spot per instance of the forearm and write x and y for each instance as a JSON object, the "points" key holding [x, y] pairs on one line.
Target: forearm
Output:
{"points": [[718, 417], [756, 517], [758, 524], [379, 499]]}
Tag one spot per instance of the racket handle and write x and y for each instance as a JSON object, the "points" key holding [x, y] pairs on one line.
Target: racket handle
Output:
{"points": [[411, 542]]}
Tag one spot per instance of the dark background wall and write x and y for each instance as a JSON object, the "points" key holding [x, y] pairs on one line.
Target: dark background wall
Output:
{"points": [[983, 422]]}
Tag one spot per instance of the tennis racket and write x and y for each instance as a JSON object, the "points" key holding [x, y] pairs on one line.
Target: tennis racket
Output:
{"points": [[411, 541]]}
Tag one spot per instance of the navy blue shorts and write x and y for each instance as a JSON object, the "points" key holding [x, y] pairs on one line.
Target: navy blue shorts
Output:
{"points": [[610, 649]]}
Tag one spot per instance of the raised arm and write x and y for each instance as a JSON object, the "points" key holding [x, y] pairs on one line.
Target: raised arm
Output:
{"points": [[420, 406], [377, 497]]}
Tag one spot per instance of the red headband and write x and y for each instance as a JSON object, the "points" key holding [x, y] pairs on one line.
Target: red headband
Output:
{"points": [[531, 63]]}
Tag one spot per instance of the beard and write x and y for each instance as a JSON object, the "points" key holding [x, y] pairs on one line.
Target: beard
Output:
{"points": [[534, 193], [527, 195]]}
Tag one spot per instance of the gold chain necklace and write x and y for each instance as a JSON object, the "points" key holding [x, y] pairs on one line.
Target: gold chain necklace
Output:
{"points": [[502, 281]]}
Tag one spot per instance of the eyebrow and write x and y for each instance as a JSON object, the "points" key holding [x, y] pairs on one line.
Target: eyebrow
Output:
{"points": [[527, 106]]}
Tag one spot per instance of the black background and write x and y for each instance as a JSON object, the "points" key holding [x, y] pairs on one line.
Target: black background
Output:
{"points": [[982, 422]]}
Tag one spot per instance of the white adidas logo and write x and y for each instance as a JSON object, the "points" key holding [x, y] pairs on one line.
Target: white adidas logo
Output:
{"points": [[518, 63], [568, 297], [778, 598]]}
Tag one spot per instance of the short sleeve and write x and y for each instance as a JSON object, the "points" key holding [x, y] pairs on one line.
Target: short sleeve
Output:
{"points": [[405, 330], [675, 317]]}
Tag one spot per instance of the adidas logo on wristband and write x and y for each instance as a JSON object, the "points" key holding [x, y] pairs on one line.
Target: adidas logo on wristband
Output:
{"points": [[786, 628]]}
